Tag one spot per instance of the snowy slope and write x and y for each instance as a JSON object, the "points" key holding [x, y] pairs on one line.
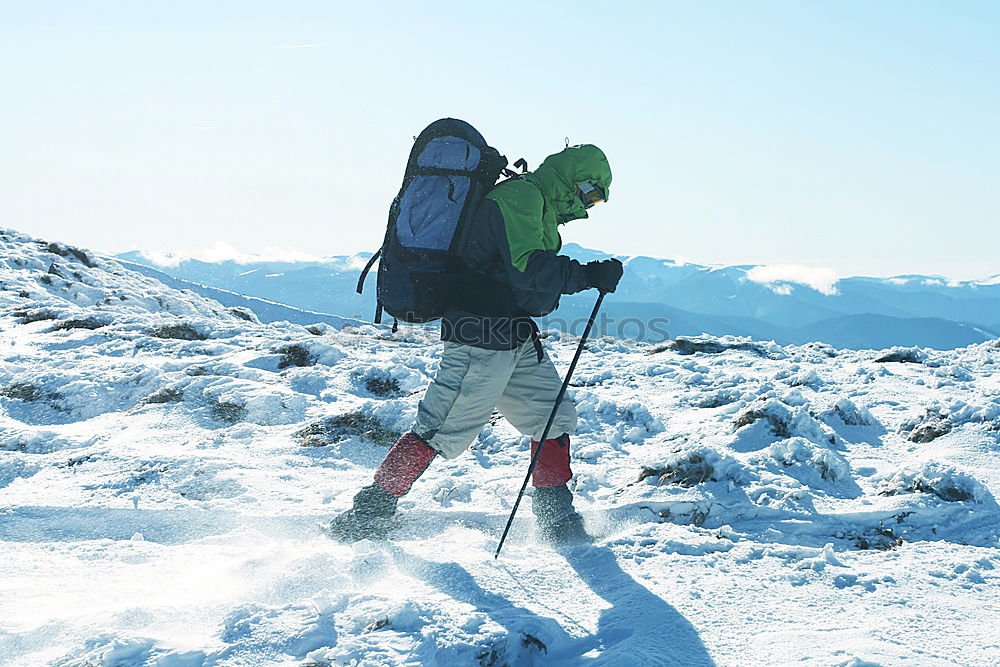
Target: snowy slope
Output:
{"points": [[164, 464], [266, 311], [325, 285]]}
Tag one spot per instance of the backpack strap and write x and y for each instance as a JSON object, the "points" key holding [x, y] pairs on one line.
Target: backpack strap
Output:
{"points": [[536, 338], [510, 173], [361, 285], [364, 272], [521, 164]]}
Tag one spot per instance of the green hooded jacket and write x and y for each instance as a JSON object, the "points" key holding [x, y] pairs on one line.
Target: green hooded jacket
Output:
{"points": [[534, 205], [511, 269]]}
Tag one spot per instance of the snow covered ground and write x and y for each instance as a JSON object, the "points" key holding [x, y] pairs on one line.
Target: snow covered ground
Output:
{"points": [[165, 462]]}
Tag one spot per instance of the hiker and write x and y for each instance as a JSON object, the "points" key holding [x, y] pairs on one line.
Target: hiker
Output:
{"points": [[510, 271]]}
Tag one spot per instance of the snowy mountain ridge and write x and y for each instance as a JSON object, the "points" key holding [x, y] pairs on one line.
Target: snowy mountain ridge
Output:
{"points": [[264, 309], [165, 461], [786, 303]]}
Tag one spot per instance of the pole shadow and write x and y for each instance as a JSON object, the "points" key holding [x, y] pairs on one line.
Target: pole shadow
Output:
{"points": [[638, 628], [523, 625]]}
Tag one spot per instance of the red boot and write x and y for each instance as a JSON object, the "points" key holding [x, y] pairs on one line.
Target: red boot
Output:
{"points": [[552, 468], [374, 506], [558, 522], [404, 463]]}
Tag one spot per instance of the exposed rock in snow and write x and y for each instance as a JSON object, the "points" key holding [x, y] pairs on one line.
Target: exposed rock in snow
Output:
{"points": [[925, 428], [707, 345], [903, 355]]}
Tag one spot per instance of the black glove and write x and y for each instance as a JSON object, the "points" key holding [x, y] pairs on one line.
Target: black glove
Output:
{"points": [[604, 274]]}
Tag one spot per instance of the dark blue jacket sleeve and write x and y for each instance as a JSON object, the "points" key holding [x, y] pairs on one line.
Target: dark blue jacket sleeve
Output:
{"points": [[546, 276]]}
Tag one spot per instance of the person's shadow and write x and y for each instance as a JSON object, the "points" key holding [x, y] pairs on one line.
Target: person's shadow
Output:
{"points": [[637, 629]]}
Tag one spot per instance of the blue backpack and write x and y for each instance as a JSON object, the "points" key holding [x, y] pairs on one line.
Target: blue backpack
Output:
{"points": [[450, 170]]}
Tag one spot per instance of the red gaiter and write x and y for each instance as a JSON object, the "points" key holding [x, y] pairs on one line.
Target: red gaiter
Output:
{"points": [[552, 468], [407, 459]]}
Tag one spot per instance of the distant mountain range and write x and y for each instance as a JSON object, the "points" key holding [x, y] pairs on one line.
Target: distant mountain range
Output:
{"points": [[659, 298]]}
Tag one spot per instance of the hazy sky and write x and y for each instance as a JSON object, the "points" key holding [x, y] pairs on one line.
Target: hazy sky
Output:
{"points": [[859, 136]]}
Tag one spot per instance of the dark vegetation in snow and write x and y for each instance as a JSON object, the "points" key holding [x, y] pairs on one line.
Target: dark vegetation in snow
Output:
{"points": [[27, 392], [69, 251], [165, 395], [852, 416], [335, 429], [807, 379], [686, 346], [295, 355], [242, 313], [38, 315], [82, 323], [227, 411], [952, 488], [383, 386], [750, 416], [716, 399], [177, 332], [690, 471], [881, 537], [824, 348], [689, 467]]}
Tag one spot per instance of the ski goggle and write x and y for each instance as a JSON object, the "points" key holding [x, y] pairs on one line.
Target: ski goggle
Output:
{"points": [[589, 194]]}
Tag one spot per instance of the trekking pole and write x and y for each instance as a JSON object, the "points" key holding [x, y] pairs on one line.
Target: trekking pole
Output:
{"points": [[548, 424]]}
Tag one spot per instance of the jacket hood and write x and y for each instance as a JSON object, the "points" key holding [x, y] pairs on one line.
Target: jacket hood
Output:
{"points": [[556, 178]]}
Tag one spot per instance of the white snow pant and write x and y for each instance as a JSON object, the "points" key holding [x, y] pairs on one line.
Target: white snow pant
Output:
{"points": [[471, 382]]}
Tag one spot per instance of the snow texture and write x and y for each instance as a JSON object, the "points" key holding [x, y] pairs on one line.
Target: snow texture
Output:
{"points": [[165, 464]]}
